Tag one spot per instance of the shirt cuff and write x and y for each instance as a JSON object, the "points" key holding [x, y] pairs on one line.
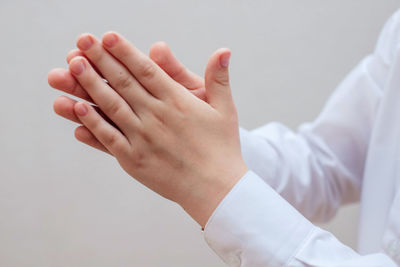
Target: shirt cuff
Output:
{"points": [[255, 226]]}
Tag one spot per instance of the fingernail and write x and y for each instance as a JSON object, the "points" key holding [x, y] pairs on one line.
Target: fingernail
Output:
{"points": [[77, 67], [110, 39], [85, 42], [81, 109], [224, 60]]}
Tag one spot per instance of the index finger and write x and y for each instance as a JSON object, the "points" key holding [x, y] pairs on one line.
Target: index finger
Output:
{"points": [[145, 70]]}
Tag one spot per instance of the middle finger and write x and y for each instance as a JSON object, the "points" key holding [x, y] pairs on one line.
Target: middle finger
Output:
{"points": [[116, 74], [112, 104]]}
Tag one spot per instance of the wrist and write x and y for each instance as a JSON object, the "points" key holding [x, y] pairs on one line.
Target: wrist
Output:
{"points": [[205, 199]]}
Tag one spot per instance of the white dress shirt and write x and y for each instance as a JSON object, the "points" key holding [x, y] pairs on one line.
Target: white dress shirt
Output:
{"points": [[351, 152]]}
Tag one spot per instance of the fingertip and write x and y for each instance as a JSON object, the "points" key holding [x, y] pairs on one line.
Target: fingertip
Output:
{"points": [[109, 32], [74, 53], [223, 50], [160, 45], [51, 75], [57, 104], [56, 77], [85, 41], [110, 38], [77, 65], [224, 58], [77, 58], [81, 133], [220, 58], [82, 35], [81, 109], [63, 105], [160, 52]]}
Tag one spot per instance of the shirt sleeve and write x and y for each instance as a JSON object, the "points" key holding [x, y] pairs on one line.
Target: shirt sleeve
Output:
{"points": [[255, 226], [320, 167], [308, 174]]}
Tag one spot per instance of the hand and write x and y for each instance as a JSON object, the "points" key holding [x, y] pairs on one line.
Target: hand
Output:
{"points": [[63, 80], [181, 147]]}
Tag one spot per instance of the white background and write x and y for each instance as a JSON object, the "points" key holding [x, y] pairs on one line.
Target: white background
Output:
{"points": [[64, 204]]}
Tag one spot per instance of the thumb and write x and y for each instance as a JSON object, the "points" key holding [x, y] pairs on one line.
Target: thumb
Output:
{"points": [[218, 91], [162, 55]]}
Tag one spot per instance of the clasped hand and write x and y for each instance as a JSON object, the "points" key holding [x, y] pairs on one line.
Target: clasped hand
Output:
{"points": [[183, 146]]}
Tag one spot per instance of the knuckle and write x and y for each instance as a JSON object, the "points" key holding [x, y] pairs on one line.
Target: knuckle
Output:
{"points": [[147, 70], [160, 124], [123, 82], [179, 104], [94, 125], [160, 119], [180, 71], [111, 140], [160, 111], [114, 108], [145, 135], [222, 80], [165, 114], [138, 159]]}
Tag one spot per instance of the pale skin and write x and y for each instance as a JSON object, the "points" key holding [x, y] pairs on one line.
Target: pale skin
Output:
{"points": [[158, 127], [63, 80]]}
